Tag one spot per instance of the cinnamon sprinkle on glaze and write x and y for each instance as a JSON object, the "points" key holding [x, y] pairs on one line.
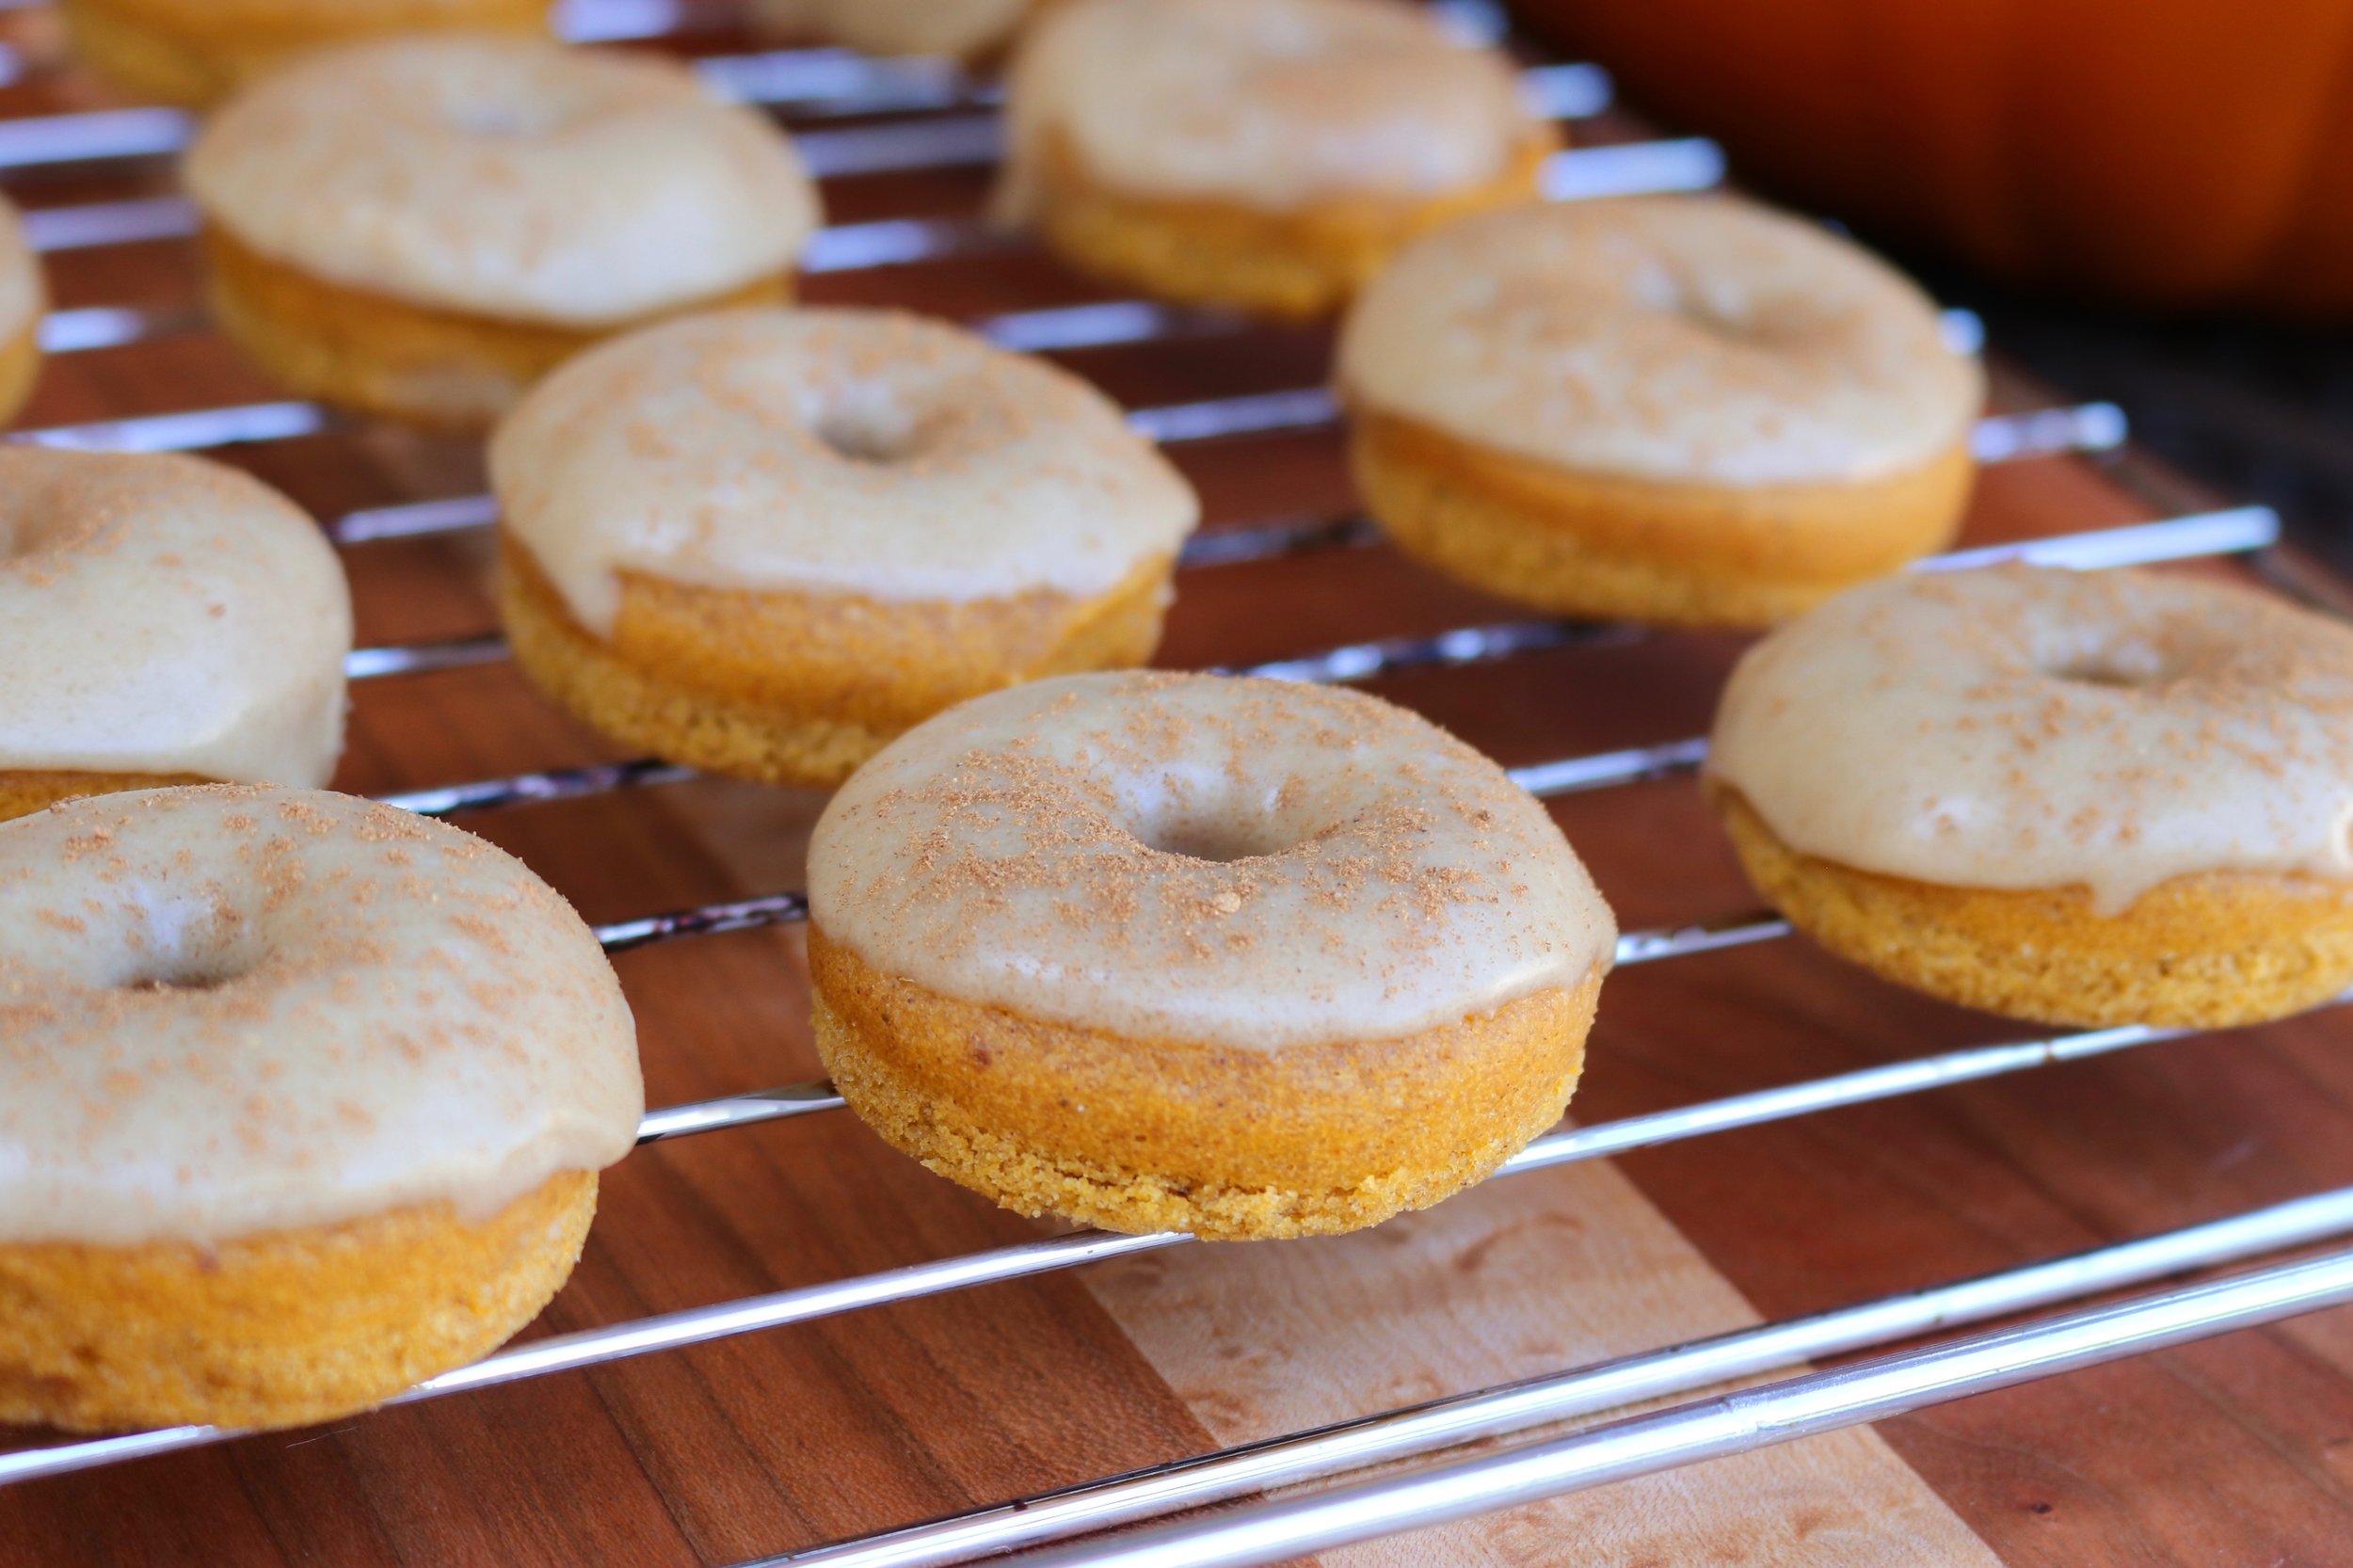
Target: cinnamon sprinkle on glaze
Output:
{"points": [[1246, 863], [2021, 727], [231, 1009], [861, 452], [1702, 339]]}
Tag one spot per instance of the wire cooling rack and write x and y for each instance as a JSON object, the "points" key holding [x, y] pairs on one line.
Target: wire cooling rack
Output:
{"points": [[855, 116]]}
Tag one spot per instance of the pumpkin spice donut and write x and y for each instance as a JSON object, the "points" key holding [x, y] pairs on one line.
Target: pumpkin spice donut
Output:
{"points": [[195, 52], [1669, 410], [421, 228], [163, 621], [764, 542], [303, 1101], [24, 300], [1236, 957], [1271, 155], [2087, 798]]}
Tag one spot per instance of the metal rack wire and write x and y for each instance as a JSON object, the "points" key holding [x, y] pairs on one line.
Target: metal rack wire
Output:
{"points": [[949, 123]]}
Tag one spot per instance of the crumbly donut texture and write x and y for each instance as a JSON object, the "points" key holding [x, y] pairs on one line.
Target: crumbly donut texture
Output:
{"points": [[22, 791], [278, 1330], [1271, 155], [798, 688], [195, 51], [20, 367], [2200, 952], [1142, 1135], [24, 298], [1609, 548], [442, 370]]}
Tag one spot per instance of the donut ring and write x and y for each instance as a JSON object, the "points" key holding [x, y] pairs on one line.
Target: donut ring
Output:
{"points": [[2081, 798], [303, 1101], [1236, 957], [421, 227], [1666, 409], [763, 543], [1267, 154], [163, 621]]}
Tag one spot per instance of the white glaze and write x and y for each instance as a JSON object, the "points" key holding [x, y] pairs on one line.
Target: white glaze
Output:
{"points": [[960, 27], [165, 614], [711, 451], [1926, 726], [505, 177], [1267, 104], [400, 1014], [1035, 849], [1673, 338], [22, 296]]}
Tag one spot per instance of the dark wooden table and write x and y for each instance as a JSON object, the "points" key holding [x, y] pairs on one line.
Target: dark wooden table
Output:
{"points": [[2238, 1452]]}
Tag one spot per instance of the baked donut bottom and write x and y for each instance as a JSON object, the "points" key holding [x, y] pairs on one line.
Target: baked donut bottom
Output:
{"points": [[20, 367], [788, 687], [1608, 546], [2204, 951], [277, 1330], [1298, 264], [195, 52], [26, 791], [443, 370], [1138, 1135]]}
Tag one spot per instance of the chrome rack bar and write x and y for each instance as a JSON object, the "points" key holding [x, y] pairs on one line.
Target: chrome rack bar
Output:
{"points": [[799, 1099], [828, 81], [2240, 529], [1524, 1406], [1213, 420], [2084, 427], [1627, 168], [1280, 1529], [699, 1325]]}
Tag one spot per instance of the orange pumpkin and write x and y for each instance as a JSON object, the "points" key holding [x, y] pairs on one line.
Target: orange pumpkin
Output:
{"points": [[2166, 152]]}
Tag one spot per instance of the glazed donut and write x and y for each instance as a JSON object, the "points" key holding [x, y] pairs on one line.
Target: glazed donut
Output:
{"points": [[765, 542], [1269, 154], [23, 299], [2084, 798], [1667, 409], [303, 1101], [421, 228], [1178, 952], [195, 52], [966, 29], [163, 621]]}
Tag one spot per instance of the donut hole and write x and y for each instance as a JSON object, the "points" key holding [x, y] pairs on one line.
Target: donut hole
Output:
{"points": [[174, 943], [872, 427], [189, 977], [1219, 842], [2120, 667]]}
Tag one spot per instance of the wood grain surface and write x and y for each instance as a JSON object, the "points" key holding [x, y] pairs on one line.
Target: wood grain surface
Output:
{"points": [[2239, 1451]]}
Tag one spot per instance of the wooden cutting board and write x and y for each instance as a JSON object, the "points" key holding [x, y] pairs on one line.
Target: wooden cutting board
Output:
{"points": [[2239, 1451]]}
